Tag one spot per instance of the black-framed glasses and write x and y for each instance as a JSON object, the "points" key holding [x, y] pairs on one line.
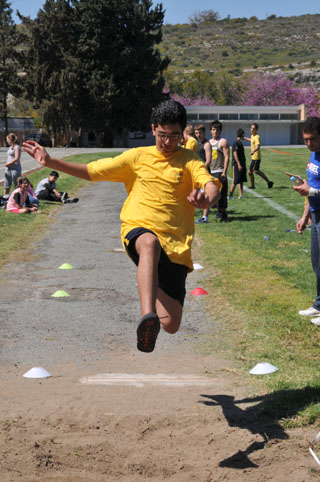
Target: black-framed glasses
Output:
{"points": [[170, 137]]}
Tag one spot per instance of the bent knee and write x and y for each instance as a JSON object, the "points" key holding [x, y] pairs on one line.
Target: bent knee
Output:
{"points": [[147, 242], [170, 330], [171, 327]]}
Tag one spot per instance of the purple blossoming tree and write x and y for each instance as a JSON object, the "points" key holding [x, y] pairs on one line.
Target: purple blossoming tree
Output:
{"points": [[269, 89]]}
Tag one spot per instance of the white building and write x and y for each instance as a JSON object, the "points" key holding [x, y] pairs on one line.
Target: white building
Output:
{"points": [[278, 125]]}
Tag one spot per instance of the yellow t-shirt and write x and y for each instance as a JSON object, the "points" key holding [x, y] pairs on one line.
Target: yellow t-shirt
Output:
{"points": [[192, 144], [255, 141], [157, 189]]}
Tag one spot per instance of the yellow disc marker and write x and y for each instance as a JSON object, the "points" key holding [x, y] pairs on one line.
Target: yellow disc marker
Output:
{"points": [[60, 294], [66, 266]]}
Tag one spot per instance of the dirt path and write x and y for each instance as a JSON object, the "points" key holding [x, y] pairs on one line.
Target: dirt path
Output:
{"points": [[203, 428]]}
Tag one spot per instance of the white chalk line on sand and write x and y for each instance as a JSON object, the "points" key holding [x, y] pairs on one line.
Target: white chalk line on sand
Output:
{"points": [[141, 380]]}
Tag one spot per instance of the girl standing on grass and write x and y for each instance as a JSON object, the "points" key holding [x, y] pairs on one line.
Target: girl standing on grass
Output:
{"points": [[13, 165], [19, 202]]}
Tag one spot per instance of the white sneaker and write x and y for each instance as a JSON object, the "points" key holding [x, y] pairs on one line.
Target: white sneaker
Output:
{"points": [[203, 220], [316, 321], [309, 312]]}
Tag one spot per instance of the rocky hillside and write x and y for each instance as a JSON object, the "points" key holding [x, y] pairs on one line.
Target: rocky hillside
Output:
{"points": [[244, 45]]}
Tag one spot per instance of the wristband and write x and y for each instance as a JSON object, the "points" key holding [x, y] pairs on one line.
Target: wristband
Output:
{"points": [[313, 192]]}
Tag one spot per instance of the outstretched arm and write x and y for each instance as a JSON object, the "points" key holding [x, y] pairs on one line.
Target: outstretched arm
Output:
{"points": [[42, 157]]}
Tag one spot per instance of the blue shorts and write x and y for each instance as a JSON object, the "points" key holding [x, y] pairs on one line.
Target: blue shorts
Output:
{"points": [[172, 276]]}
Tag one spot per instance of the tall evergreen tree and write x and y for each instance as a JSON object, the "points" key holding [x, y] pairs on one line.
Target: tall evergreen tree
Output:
{"points": [[10, 60], [121, 65], [95, 64], [52, 79]]}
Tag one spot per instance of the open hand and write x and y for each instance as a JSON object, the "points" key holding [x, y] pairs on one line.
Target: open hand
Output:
{"points": [[37, 152]]}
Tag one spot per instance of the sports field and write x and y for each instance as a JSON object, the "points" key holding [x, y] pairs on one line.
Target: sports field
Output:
{"points": [[260, 274]]}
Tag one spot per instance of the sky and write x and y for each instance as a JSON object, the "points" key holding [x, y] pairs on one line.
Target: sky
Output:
{"points": [[179, 11]]}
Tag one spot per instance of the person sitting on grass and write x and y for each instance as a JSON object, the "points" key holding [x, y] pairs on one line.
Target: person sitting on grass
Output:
{"points": [[32, 195], [164, 183], [46, 190], [19, 202]]}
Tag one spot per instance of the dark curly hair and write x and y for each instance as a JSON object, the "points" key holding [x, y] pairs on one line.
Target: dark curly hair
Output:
{"points": [[169, 112], [312, 124]]}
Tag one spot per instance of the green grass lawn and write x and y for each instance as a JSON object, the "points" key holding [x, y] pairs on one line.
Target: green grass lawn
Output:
{"points": [[257, 286], [17, 231]]}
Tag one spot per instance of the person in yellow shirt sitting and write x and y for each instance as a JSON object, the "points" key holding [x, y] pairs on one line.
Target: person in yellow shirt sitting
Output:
{"points": [[164, 184], [190, 142], [254, 167]]}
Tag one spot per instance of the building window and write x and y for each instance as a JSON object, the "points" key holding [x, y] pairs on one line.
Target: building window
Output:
{"points": [[228, 116], [191, 117], [289, 116], [269, 116], [248, 116], [208, 116]]}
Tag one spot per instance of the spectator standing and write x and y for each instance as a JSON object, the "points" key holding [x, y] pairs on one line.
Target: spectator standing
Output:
{"points": [[311, 188], [204, 151], [13, 165], [254, 167], [219, 167], [189, 140], [238, 164]]}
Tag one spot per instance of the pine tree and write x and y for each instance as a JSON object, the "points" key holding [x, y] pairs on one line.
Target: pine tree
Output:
{"points": [[95, 65], [52, 80], [10, 60], [121, 65]]}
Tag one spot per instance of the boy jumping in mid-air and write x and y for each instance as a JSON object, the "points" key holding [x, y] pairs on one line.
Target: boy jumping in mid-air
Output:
{"points": [[163, 184]]}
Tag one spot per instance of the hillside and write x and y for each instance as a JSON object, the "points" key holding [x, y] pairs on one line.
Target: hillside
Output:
{"points": [[242, 45]]}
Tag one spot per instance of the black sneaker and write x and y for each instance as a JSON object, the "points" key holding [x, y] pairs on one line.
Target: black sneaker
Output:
{"points": [[147, 332], [71, 200], [224, 218], [270, 184], [251, 187]]}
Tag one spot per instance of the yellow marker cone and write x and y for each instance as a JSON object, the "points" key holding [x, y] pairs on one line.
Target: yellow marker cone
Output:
{"points": [[60, 294], [66, 266]]}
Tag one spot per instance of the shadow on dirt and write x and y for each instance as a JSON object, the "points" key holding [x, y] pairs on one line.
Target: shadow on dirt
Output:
{"points": [[262, 418]]}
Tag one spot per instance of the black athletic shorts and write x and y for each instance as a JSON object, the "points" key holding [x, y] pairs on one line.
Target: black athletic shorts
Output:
{"points": [[239, 176], [172, 276], [255, 165]]}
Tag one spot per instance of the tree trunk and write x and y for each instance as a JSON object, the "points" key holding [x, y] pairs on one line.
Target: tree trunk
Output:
{"points": [[125, 136], [5, 117]]}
